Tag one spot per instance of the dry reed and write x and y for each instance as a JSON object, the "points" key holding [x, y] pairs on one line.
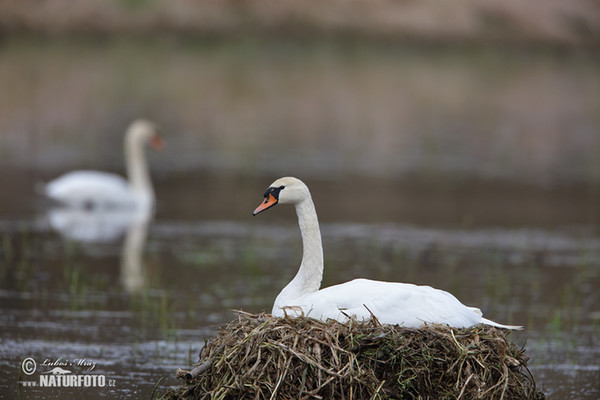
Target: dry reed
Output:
{"points": [[262, 357]]}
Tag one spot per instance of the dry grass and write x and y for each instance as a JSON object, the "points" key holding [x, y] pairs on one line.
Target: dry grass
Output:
{"points": [[261, 357]]}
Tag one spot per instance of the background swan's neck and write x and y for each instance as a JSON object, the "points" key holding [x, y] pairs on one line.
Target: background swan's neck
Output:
{"points": [[308, 278], [137, 168]]}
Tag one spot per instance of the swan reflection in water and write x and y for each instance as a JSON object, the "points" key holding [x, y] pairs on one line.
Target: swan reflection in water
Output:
{"points": [[97, 226], [99, 207]]}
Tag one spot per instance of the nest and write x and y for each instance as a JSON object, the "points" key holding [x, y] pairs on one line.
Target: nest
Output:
{"points": [[262, 357]]}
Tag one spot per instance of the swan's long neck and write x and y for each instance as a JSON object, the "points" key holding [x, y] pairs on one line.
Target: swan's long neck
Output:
{"points": [[137, 168], [308, 278]]}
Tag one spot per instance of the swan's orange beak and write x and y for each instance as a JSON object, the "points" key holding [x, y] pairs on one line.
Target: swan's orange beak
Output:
{"points": [[157, 143], [269, 202]]}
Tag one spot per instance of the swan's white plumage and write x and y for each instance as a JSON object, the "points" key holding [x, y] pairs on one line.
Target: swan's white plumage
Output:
{"points": [[94, 189], [390, 302]]}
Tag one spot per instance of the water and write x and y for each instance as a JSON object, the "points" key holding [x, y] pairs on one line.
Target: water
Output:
{"points": [[415, 175]]}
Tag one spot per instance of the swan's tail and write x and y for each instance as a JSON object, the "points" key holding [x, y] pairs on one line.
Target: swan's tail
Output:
{"points": [[497, 325]]}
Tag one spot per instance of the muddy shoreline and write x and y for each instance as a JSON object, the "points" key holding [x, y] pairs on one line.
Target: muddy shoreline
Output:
{"points": [[556, 23]]}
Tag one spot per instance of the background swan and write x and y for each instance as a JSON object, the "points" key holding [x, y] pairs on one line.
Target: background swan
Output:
{"points": [[92, 189], [392, 303]]}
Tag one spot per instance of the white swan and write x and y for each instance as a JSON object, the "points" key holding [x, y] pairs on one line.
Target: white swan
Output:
{"points": [[92, 189], [391, 303]]}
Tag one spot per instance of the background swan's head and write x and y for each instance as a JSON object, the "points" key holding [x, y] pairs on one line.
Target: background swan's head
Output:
{"points": [[144, 131], [286, 190]]}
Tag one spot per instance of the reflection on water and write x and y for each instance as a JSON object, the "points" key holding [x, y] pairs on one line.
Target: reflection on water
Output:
{"points": [[316, 109], [195, 273], [102, 225], [476, 173], [94, 225], [133, 273]]}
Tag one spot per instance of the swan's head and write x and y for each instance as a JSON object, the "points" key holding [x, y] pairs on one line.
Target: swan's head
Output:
{"points": [[286, 190], [144, 131]]}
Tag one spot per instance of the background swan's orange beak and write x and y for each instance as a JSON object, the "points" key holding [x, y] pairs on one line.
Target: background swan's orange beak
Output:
{"points": [[269, 202], [157, 143]]}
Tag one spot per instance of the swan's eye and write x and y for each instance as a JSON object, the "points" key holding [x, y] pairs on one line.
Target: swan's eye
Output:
{"points": [[274, 191]]}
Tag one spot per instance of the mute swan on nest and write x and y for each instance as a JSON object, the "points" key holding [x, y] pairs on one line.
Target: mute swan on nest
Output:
{"points": [[404, 304], [94, 190]]}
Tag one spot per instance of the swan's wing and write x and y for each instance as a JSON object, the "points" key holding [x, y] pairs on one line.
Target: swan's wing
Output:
{"points": [[89, 188], [391, 303]]}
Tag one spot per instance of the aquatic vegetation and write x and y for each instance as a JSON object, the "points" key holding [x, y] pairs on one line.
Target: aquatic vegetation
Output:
{"points": [[259, 357]]}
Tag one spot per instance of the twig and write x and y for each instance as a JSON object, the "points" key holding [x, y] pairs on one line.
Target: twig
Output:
{"points": [[197, 371], [376, 394], [464, 387], [156, 387], [462, 349]]}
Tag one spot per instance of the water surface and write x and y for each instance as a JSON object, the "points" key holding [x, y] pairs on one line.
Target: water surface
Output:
{"points": [[472, 171]]}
